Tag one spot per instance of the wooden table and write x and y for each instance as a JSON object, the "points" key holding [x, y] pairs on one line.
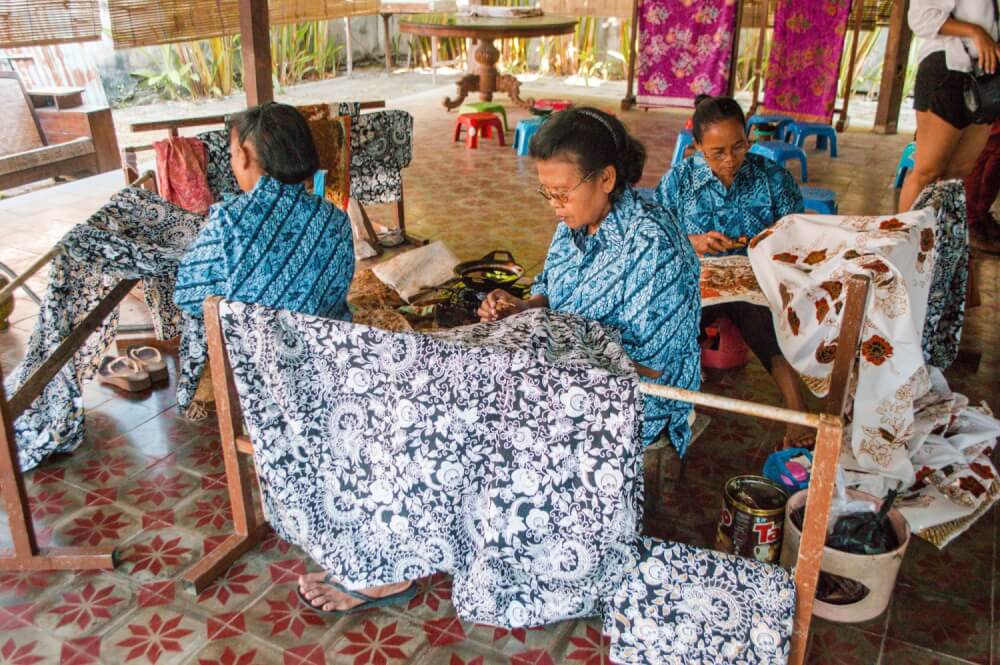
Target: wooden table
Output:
{"points": [[488, 80]]}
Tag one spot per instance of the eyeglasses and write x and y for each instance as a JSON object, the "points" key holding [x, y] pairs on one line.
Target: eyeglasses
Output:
{"points": [[563, 197], [721, 154]]}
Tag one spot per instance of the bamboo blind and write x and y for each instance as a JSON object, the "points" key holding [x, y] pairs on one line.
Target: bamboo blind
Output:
{"points": [[618, 8], [147, 22], [35, 22]]}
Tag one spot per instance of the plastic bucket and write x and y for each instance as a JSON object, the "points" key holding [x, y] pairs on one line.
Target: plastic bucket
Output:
{"points": [[876, 572]]}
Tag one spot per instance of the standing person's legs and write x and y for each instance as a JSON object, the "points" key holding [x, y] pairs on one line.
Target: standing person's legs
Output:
{"points": [[937, 142], [981, 189]]}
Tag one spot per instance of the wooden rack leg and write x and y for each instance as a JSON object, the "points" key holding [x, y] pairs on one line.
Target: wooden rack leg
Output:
{"points": [[248, 526], [814, 525]]}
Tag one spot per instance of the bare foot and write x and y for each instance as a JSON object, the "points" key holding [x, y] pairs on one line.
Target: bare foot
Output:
{"points": [[325, 597]]}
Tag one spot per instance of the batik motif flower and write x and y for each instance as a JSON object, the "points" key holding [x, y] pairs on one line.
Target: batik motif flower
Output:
{"points": [[876, 349]]}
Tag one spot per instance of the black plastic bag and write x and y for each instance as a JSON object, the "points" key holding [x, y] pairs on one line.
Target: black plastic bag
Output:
{"points": [[866, 532]]}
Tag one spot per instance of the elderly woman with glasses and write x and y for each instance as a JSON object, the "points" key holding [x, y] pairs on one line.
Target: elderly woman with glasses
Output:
{"points": [[723, 196], [615, 258]]}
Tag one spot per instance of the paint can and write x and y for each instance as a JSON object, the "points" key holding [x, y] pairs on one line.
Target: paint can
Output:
{"points": [[752, 518]]}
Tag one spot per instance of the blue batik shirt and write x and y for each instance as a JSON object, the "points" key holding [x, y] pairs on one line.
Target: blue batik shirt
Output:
{"points": [[276, 245], [762, 193], [638, 275]]}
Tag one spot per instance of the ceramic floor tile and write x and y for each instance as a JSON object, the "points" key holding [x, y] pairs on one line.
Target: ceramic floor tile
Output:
{"points": [[839, 644], [157, 635], [86, 606], [948, 625], [901, 653]]}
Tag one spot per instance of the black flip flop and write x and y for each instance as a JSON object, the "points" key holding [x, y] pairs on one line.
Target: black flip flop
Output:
{"points": [[367, 602]]}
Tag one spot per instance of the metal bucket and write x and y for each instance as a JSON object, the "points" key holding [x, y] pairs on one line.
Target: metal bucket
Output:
{"points": [[752, 518]]}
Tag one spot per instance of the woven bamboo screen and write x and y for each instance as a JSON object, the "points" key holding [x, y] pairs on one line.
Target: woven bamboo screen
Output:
{"points": [[34, 22], [147, 22], [619, 8]]}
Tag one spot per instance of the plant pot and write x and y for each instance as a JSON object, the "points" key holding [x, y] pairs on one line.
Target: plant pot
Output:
{"points": [[877, 572]]}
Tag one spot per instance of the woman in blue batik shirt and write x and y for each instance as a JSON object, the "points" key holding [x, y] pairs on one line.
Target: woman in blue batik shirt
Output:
{"points": [[722, 196], [275, 244], [615, 258]]}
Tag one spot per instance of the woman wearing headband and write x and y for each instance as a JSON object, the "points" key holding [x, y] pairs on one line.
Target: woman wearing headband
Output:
{"points": [[615, 258]]}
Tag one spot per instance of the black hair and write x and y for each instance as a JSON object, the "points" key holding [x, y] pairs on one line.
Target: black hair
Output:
{"points": [[592, 139], [284, 144], [700, 98], [715, 110]]}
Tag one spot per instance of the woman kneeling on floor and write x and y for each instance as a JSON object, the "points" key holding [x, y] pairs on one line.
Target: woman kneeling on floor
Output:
{"points": [[614, 258], [723, 196]]}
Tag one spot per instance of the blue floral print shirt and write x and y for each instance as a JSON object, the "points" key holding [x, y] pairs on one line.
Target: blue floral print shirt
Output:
{"points": [[639, 275], [276, 245], [762, 193]]}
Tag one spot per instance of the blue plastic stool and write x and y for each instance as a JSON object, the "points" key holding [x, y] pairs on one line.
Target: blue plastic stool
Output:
{"points": [[905, 163], [798, 131], [782, 121], [818, 199], [684, 139], [781, 152], [523, 132]]}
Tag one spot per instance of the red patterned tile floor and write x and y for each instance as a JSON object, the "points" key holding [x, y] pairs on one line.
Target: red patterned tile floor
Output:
{"points": [[152, 483]]}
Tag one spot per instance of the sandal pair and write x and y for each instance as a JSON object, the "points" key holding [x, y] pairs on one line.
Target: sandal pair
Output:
{"points": [[138, 370]]}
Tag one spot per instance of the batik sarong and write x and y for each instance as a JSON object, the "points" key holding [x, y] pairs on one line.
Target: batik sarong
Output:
{"points": [[685, 50], [137, 235], [804, 66]]}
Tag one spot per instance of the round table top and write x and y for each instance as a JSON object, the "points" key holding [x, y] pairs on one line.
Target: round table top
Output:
{"points": [[454, 25]]}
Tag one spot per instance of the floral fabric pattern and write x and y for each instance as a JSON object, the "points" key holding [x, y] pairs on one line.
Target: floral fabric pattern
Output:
{"points": [[762, 193], [907, 429], [219, 169], [946, 303], [135, 235], [729, 279], [805, 59], [639, 276], [388, 456], [381, 147], [684, 50], [681, 604]]}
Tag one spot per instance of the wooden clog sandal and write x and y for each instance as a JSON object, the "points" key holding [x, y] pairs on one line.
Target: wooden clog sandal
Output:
{"points": [[149, 360], [122, 373]]}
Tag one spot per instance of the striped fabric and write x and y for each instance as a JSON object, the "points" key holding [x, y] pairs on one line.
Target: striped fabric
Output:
{"points": [[276, 245], [638, 275]]}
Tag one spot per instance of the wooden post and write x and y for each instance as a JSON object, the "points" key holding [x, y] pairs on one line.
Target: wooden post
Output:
{"points": [[897, 55], [256, 39], [734, 52], [348, 47], [388, 43], [629, 100], [759, 62], [859, 12]]}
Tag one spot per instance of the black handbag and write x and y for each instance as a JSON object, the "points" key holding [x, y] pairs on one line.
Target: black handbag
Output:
{"points": [[982, 90]]}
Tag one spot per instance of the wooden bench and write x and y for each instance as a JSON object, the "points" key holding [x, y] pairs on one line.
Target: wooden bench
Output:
{"points": [[42, 143]]}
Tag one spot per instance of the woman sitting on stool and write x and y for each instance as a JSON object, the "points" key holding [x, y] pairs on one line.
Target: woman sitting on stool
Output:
{"points": [[723, 196]]}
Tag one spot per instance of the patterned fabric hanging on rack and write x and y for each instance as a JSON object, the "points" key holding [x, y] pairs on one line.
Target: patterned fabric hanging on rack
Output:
{"points": [[804, 66], [684, 50]]}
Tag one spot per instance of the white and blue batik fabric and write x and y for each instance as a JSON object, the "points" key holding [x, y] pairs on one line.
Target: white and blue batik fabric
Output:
{"points": [[505, 454], [762, 193], [638, 275], [276, 245]]}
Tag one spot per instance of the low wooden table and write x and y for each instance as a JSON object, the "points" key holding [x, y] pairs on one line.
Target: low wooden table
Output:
{"points": [[488, 80]]}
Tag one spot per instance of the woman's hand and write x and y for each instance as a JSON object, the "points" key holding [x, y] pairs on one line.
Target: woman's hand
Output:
{"points": [[499, 305], [712, 242], [988, 50]]}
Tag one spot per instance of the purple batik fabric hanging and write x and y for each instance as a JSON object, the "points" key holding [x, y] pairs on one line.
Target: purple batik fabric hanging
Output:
{"points": [[685, 50], [805, 58]]}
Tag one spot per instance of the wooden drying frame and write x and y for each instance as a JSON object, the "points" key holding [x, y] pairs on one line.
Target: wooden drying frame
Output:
{"points": [[130, 167], [249, 527]]}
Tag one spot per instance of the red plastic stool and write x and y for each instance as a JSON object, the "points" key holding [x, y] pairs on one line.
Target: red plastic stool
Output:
{"points": [[477, 124], [553, 104], [723, 346]]}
